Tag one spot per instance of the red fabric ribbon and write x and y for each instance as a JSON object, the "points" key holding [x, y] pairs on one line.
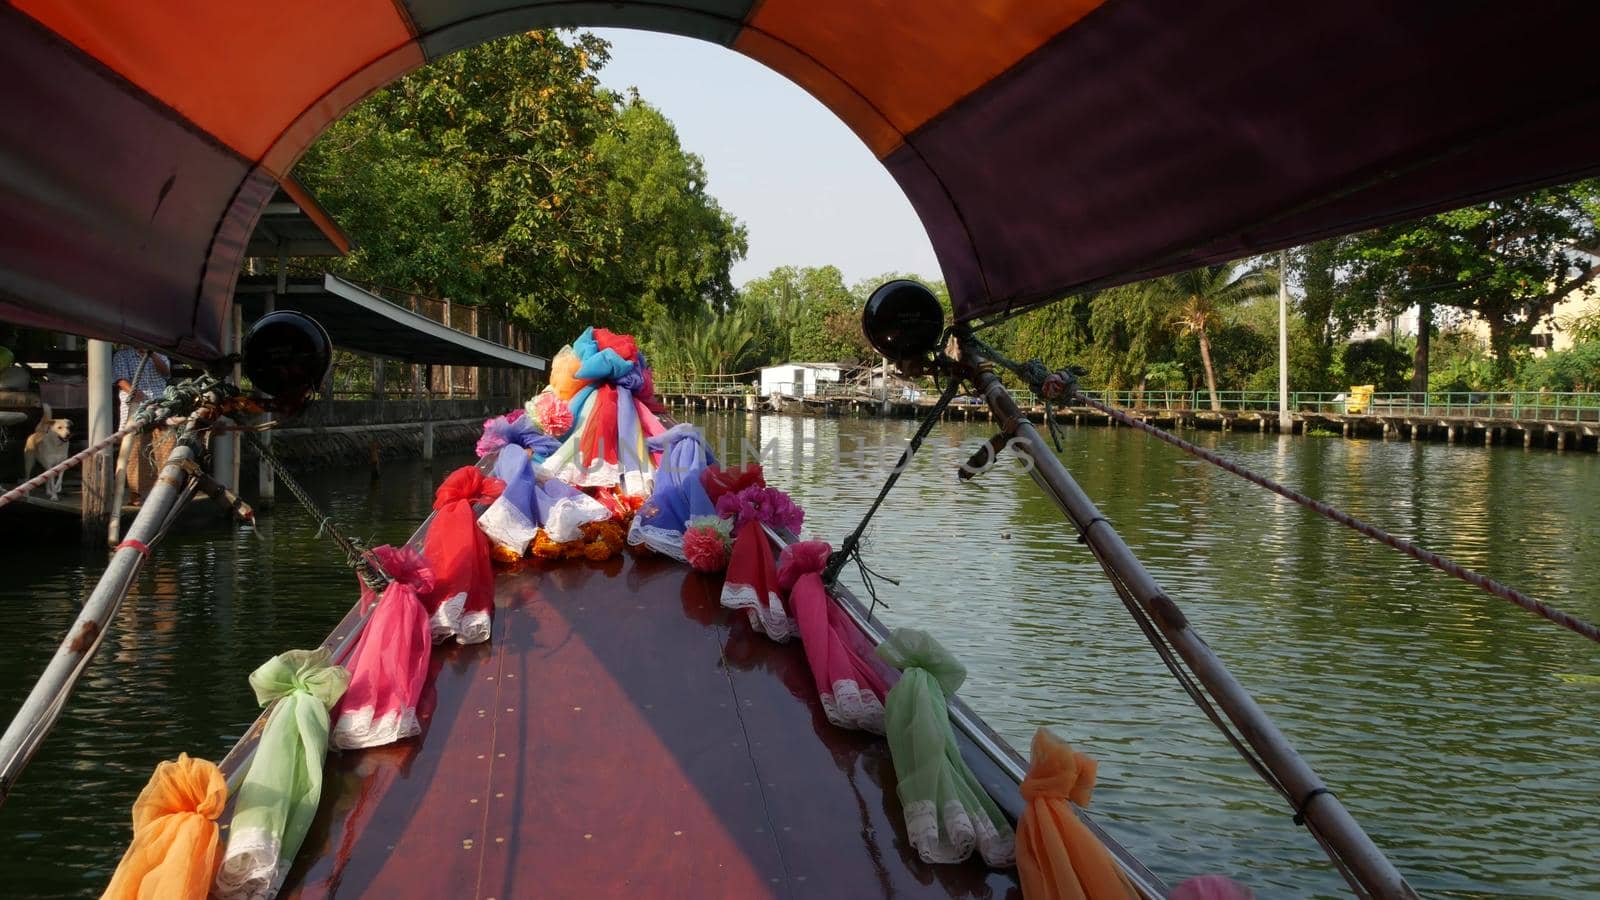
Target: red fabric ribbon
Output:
{"points": [[470, 484]]}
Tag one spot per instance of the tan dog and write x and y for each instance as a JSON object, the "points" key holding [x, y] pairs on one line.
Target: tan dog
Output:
{"points": [[47, 446]]}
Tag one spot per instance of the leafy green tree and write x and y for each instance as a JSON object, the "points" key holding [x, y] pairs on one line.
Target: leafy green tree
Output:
{"points": [[1198, 299], [1378, 363], [1507, 262], [506, 176]]}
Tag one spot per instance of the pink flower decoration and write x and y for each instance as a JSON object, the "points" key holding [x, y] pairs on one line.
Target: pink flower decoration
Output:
{"points": [[706, 548], [759, 503], [552, 413], [493, 438]]}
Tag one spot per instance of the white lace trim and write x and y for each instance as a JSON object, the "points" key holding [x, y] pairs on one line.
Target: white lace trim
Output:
{"points": [[358, 728], [565, 518], [250, 866], [475, 627], [664, 541], [848, 706], [962, 833], [767, 618], [445, 623], [596, 474], [508, 526]]}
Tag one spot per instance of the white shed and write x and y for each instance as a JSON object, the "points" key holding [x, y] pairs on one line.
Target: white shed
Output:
{"points": [[798, 379]]}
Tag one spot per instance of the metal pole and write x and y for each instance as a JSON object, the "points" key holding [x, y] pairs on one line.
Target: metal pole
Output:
{"points": [[1322, 810], [39, 712], [1285, 424]]}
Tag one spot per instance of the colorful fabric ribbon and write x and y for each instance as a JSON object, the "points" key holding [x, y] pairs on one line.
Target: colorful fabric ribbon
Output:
{"points": [[280, 791], [176, 846], [607, 392], [851, 681], [752, 583], [678, 495], [948, 813], [390, 660], [462, 599], [1058, 857]]}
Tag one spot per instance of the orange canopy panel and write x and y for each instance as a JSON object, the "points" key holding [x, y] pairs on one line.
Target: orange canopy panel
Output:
{"points": [[1049, 146], [905, 62], [242, 71]]}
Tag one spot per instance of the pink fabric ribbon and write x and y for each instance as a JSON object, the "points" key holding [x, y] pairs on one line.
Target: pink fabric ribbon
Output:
{"points": [[851, 681]]}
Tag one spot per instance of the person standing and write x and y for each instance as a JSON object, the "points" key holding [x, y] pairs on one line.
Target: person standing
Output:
{"points": [[139, 375]]}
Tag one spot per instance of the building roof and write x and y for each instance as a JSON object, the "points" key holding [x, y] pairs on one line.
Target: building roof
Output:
{"points": [[360, 320], [294, 224]]}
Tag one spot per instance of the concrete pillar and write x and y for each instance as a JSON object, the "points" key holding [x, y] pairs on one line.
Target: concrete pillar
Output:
{"points": [[266, 483], [1450, 434], [99, 483], [1414, 427], [427, 441], [225, 447], [1386, 429], [1527, 437], [1561, 440], [1346, 429], [1488, 436]]}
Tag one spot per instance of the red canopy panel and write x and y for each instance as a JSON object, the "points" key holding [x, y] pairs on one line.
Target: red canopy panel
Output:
{"points": [[1047, 146]]}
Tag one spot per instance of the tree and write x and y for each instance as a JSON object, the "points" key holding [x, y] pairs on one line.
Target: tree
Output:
{"points": [[1506, 262], [1198, 298], [506, 176], [807, 314]]}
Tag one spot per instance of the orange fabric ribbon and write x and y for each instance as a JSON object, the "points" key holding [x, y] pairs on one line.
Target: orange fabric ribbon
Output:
{"points": [[1058, 857], [176, 847]]}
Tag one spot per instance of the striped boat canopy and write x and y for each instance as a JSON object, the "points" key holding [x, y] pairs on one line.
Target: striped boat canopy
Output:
{"points": [[1049, 146]]}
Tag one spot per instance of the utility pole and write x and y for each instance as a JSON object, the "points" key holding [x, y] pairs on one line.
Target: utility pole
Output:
{"points": [[1285, 424]]}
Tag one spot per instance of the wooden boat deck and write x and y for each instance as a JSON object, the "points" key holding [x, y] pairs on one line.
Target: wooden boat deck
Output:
{"points": [[621, 733]]}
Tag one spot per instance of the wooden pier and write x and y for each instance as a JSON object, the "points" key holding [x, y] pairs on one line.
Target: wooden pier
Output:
{"points": [[1556, 421]]}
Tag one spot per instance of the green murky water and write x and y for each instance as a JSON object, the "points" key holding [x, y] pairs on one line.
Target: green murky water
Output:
{"points": [[1460, 731]]}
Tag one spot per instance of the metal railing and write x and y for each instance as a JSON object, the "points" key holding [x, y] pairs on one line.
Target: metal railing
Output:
{"points": [[1526, 406], [704, 385]]}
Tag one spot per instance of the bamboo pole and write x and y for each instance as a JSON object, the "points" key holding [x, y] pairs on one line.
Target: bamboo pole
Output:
{"points": [[45, 702], [1322, 810]]}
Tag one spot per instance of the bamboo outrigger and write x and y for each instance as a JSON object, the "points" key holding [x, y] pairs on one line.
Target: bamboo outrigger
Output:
{"points": [[621, 732]]}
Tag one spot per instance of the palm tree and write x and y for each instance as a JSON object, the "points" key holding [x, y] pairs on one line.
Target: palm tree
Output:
{"points": [[1199, 296]]}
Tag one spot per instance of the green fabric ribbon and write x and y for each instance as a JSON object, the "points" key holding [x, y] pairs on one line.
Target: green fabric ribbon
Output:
{"points": [[279, 794], [948, 813]]}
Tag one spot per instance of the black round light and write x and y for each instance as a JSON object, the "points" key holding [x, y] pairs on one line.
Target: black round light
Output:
{"points": [[903, 320], [287, 355]]}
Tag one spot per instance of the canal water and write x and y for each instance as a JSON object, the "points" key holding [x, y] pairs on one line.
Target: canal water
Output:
{"points": [[1460, 731]]}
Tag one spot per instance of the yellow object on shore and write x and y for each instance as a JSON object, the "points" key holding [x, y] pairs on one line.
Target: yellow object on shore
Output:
{"points": [[1058, 857], [1360, 399], [176, 846]]}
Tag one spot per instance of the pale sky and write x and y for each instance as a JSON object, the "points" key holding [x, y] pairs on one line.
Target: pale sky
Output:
{"points": [[809, 192]]}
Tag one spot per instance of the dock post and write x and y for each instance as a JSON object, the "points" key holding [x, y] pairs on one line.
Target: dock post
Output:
{"points": [[1561, 440], [1347, 428], [1386, 429], [427, 441], [1488, 436], [1414, 428], [266, 486], [1261, 422], [1527, 436], [99, 482]]}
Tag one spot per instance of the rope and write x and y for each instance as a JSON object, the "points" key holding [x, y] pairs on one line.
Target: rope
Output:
{"points": [[850, 548], [1035, 374], [356, 557], [28, 486], [1444, 564]]}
